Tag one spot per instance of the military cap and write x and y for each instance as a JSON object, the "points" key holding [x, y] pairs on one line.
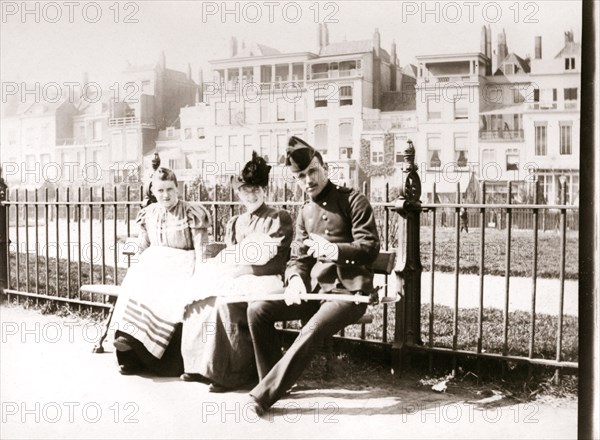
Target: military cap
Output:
{"points": [[255, 173], [299, 154]]}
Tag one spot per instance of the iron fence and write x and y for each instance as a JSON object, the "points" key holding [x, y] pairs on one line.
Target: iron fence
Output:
{"points": [[51, 244]]}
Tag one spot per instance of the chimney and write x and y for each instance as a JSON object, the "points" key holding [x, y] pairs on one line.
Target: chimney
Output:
{"points": [[502, 48], [538, 48], [232, 47], [320, 36], [483, 41], [377, 42], [488, 49], [200, 95], [163, 60], [189, 72], [568, 37], [325, 35], [393, 54]]}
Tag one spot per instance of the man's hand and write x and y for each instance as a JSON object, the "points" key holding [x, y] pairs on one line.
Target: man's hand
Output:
{"points": [[320, 247], [293, 290]]}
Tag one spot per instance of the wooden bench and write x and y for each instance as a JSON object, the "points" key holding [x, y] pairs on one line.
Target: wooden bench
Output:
{"points": [[383, 265]]}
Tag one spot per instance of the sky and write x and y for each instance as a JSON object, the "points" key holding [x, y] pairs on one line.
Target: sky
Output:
{"points": [[57, 42]]}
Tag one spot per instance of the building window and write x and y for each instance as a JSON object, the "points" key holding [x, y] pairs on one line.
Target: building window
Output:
{"points": [[170, 131], [461, 149], [399, 146], [377, 150], [250, 115], [220, 117], [219, 150], [299, 109], [234, 117], [97, 130], [461, 108], [200, 133], [187, 133], [566, 129], [540, 138], [517, 96], [45, 159], [281, 109], [264, 110], [321, 97], [232, 144], [433, 152], [434, 108], [536, 95], [264, 146], [248, 146], [345, 95], [570, 63], [509, 69], [570, 94], [512, 159], [346, 135], [279, 155], [488, 155], [321, 135]]}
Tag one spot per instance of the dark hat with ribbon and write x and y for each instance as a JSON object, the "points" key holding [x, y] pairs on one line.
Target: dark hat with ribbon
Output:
{"points": [[255, 173], [299, 154]]}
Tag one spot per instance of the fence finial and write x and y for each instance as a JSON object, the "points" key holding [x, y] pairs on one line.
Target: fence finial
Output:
{"points": [[155, 161]]}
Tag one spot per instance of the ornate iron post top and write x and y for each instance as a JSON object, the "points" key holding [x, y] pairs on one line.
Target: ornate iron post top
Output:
{"points": [[409, 156], [410, 191], [3, 187]]}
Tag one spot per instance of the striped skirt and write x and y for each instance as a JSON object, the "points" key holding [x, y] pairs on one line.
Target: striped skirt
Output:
{"points": [[154, 297]]}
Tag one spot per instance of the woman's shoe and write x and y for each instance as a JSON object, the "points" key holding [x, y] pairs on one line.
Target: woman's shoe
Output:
{"points": [[192, 377], [128, 370], [216, 388]]}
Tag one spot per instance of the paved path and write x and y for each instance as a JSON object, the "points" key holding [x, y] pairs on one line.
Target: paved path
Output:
{"points": [[52, 386], [547, 292]]}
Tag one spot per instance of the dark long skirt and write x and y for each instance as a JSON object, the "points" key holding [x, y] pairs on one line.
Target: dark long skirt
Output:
{"points": [[216, 343], [169, 365]]}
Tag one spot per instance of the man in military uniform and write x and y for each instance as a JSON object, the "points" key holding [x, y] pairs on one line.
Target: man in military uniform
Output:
{"points": [[335, 245]]}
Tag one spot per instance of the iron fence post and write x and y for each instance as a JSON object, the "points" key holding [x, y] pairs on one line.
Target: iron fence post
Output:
{"points": [[408, 270], [4, 242]]}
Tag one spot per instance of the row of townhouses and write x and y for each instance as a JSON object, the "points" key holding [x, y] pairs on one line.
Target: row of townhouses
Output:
{"points": [[487, 115]]}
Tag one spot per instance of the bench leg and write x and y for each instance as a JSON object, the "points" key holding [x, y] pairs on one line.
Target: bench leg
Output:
{"points": [[98, 348]]}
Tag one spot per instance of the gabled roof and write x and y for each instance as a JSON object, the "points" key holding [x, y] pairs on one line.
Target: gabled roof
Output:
{"points": [[410, 70], [256, 50], [571, 48], [512, 58]]}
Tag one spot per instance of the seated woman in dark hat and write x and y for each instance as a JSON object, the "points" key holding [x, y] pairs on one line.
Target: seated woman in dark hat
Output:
{"points": [[216, 343]]}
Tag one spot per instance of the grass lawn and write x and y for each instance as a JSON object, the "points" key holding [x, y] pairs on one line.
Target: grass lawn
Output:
{"points": [[521, 253]]}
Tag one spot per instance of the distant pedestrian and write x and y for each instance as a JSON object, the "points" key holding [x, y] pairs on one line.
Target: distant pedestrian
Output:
{"points": [[464, 220]]}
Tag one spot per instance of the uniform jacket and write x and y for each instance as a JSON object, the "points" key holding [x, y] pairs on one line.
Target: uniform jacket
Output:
{"points": [[344, 217]]}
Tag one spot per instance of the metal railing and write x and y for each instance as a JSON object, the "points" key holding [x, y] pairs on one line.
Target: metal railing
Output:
{"points": [[53, 242]]}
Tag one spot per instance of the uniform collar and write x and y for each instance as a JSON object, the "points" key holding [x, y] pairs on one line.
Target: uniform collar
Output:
{"points": [[323, 194]]}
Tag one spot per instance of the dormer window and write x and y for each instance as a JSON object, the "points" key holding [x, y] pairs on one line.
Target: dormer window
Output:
{"points": [[170, 131], [509, 69], [570, 63]]}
